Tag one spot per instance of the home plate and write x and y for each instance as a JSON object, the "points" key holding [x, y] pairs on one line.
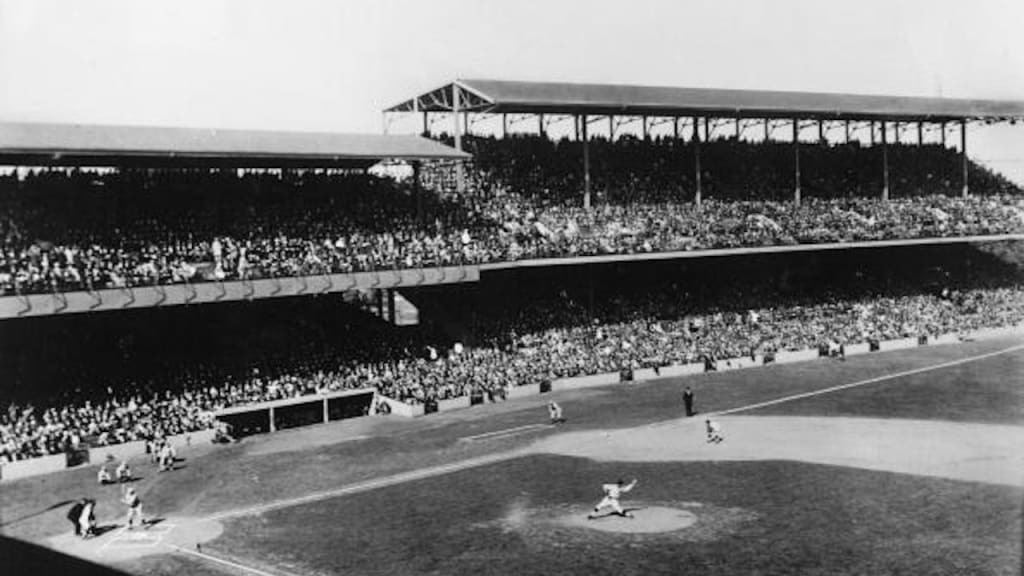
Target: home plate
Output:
{"points": [[650, 520]]}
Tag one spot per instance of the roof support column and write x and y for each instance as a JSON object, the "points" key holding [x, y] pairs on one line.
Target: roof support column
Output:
{"points": [[643, 121], [426, 124], [586, 162], [821, 131], [943, 134], [739, 129], [696, 159], [963, 151], [504, 125], [611, 128], [675, 128], [846, 130], [885, 162], [796, 161], [707, 129], [540, 124], [416, 191], [460, 176], [871, 128], [576, 126], [767, 130], [920, 133]]}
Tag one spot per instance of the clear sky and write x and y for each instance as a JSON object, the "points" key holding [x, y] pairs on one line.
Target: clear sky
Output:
{"points": [[333, 65]]}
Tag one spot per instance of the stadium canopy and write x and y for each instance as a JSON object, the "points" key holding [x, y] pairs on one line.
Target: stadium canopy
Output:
{"points": [[31, 144], [512, 97], [585, 103]]}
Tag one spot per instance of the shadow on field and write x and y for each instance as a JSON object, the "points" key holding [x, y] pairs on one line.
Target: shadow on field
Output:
{"points": [[24, 558], [34, 514]]}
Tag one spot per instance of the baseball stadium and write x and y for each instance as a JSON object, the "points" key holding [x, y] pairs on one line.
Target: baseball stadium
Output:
{"points": [[535, 328]]}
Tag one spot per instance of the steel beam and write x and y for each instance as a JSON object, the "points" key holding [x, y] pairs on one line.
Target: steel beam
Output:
{"points": [[586, 164], [885, 162], [963, 150], [460, 176], [696, 158], [796, 161]]}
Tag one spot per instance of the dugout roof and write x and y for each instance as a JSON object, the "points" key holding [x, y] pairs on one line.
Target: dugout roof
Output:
{"points": [[500, 96], [27, 144]]}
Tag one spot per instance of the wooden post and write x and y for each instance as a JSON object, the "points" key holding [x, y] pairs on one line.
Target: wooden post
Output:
{"points": [[426, 124]]}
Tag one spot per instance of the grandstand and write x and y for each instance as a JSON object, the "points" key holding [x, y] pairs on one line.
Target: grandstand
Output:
{"points": [[166, 283]]}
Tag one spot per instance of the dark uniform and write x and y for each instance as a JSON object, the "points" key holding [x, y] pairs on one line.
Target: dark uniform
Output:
{"points": [[688, 401]]}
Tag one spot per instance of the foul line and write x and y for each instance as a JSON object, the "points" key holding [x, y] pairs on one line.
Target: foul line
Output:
{"points": [[494, 458], [507, 432], [370, 484], [871, 380], [235, 565]]}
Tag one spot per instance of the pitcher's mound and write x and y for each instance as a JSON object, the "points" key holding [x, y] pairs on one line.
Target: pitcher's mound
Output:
{"points": [[650, 520]]}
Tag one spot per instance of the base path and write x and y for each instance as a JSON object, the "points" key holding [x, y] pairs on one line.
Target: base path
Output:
{"points": [[972, 452]]}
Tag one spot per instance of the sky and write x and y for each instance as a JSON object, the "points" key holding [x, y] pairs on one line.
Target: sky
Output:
{"points": [[334, 65]]}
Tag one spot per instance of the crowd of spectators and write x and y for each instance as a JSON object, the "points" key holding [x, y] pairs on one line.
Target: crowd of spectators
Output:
{"points": [[550, 338], [76, 230]]}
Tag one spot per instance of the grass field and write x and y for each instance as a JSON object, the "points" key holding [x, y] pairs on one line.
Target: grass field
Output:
{"points": [[787, 492]]}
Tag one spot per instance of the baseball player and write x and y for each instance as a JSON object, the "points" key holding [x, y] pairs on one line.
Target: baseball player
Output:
{"points": [[555, 412], [612, 492], [87, 519], [714, 431], [134, 507]]}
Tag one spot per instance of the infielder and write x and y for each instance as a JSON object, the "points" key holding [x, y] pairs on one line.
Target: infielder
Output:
{"points": [[611, 498], [555, 412], [714, 431]]}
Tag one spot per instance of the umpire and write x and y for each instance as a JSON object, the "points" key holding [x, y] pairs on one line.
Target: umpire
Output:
{"points": [[688, 401]]}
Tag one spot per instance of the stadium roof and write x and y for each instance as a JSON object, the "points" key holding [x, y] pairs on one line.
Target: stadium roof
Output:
{"points": [[25, 144], [499, 96]]}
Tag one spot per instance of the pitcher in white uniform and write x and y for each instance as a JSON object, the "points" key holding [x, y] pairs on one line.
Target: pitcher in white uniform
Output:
{"points": [[612, 492]]}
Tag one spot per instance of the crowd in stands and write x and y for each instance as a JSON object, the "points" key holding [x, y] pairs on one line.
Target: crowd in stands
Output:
{"points": [[78, 230], [551, 337]]}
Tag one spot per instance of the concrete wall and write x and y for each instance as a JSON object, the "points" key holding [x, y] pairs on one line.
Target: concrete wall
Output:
{"points": [[585, 381], [453, 404], [682, 370], [524, 391], [901, 344], [33, 467], [787, 356], [855, 349], [645, 374], [118, 452], [401, 408]]}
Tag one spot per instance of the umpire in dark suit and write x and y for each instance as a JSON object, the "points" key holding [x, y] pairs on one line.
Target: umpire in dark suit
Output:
{"points": [[688, 401]]}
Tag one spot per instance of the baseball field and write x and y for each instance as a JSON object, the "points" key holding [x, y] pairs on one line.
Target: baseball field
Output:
{"points": [[903, 462]]}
